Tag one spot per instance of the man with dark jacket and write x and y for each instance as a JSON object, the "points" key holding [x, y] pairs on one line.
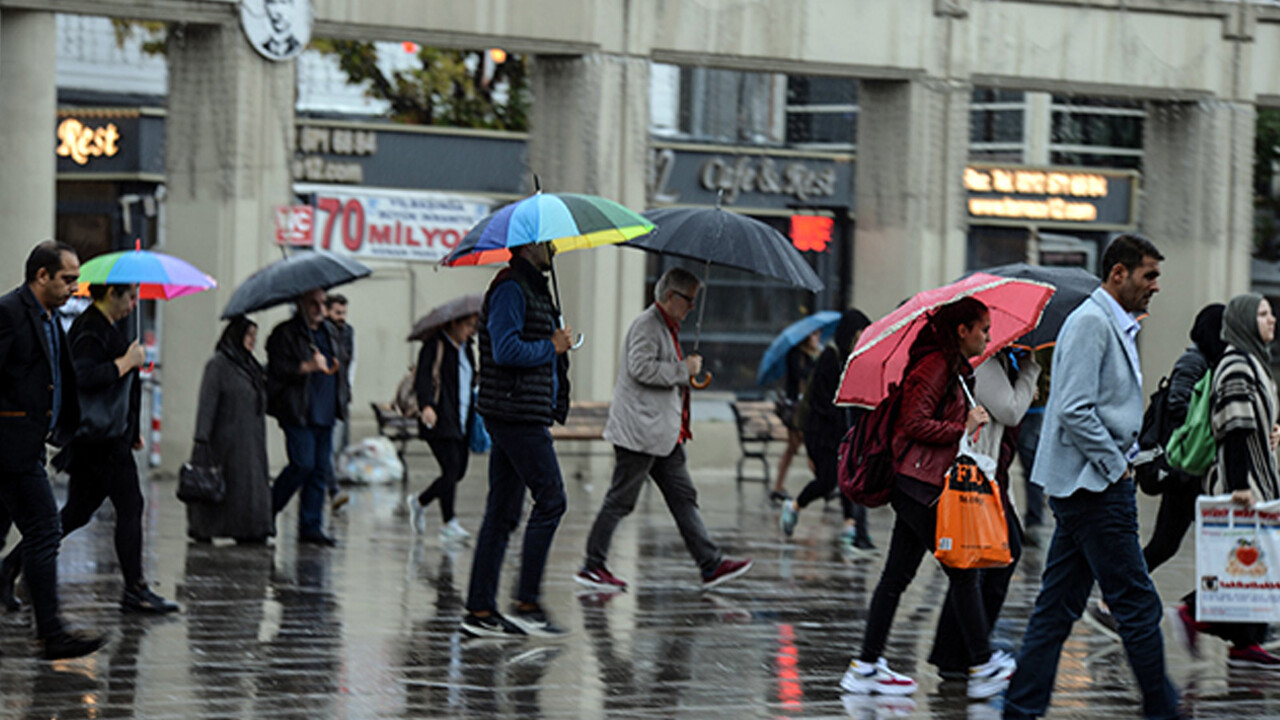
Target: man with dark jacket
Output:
{"points": [[100, 458], [524, 387], [38, 404], [306, 392], [336, 315]]}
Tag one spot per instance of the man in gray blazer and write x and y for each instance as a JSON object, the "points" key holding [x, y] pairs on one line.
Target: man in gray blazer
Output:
{"points": [[1090, 435], [648, 425]]}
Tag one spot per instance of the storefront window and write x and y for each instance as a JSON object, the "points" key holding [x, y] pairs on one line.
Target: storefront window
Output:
{"points": [[822, 111]]}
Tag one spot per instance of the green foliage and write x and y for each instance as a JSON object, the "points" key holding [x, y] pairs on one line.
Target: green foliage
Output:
{"points": [[155, 34], [450, 87], [1266, 155]]}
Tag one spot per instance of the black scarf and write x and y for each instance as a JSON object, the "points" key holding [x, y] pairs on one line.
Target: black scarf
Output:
{"points": [[231, 346]]}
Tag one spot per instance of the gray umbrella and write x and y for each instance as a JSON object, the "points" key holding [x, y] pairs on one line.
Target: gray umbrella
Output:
{"points": [[441, 314], [283, 280]]}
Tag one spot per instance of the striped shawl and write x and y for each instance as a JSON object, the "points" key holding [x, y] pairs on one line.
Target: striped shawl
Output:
{"points": [[1244, 398]]}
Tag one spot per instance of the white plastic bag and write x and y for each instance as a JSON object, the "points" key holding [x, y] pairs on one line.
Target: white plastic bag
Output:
{"points": [[372, 462], [1237, 561]]}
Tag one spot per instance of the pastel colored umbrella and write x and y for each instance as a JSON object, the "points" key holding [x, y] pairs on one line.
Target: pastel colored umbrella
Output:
{"points": [[773, 364], [566, 220], [880, 356], [159, 276]]}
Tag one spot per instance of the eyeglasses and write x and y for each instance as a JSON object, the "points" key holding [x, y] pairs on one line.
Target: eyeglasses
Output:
{"points": [[687, 298]]}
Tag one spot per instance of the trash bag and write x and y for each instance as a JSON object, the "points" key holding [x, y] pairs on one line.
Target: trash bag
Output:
{"points": [[373, 461]]}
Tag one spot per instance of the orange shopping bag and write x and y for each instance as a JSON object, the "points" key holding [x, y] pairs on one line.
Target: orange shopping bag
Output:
{"points": [[971, 529]]}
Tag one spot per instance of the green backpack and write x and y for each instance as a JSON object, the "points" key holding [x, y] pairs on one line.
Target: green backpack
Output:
{"points": [[1191, 448]]}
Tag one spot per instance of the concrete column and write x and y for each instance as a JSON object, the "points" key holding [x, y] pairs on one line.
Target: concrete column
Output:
{"points": [[1037, 128], [228, 144], [590, 134], [1198, 210], [28, 111], [909, 197]]}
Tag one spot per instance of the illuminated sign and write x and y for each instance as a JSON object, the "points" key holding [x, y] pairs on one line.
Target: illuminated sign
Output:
{"points": [[81, 142], [811, 233], [1050, 197]]}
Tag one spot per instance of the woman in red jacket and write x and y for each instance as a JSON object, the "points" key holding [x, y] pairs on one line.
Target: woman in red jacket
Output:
{"points": [[934, 416]]}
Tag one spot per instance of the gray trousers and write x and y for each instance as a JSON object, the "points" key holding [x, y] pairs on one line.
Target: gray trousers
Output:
{"points": [[671, 474]]}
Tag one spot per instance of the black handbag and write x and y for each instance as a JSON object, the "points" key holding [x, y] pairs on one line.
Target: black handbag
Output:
{"points": [[200, 481], [104, 414]]}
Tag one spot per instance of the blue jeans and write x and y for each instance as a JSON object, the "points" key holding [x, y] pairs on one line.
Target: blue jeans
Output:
{"points": [[1028, 439], [1096, 538], [522, 456], [310, 451]]}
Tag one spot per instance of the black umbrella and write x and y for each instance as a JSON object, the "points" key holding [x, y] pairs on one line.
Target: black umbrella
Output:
{"points": [[283, 280], [1073, 285], [446, 312], [714, 236]]}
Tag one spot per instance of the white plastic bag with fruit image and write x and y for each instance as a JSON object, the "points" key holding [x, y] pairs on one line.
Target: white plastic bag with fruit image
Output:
{"points": [[1237, 561]]}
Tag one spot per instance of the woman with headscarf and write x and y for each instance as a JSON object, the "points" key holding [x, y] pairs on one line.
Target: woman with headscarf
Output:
{"points": [[825, 426], [1243, 418], [231, 433]]}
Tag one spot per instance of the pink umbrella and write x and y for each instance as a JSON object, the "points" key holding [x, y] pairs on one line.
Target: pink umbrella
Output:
{"points": [[881, 354]]}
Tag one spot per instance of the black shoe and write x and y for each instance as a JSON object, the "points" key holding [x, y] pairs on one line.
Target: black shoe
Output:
{"points": [[141, 599], [66, 645], [8, 599], [778, 496], [491, 625], [317, 539], [535, 622]]}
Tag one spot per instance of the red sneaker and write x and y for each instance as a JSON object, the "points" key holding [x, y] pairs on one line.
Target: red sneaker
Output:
{"points": [[726, 571], [1252, 656], [601, 579], [1185, 629]]}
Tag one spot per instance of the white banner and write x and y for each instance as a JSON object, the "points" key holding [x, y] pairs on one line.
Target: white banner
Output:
{"points": [[1237, 551], [390, 224]]}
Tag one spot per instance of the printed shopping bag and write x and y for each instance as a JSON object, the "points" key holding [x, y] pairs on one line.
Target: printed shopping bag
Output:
{"points": [[971, 529], [1237, 551]]}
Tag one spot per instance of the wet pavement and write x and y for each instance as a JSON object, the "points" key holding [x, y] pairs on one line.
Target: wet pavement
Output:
{"points": [[369, 629]]}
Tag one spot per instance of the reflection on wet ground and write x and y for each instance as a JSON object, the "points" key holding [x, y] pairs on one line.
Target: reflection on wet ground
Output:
{"points": [[369, 630]]}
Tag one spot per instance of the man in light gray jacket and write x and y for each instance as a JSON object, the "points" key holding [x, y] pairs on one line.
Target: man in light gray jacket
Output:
{"points": [[648, 426], [1090, 436]]}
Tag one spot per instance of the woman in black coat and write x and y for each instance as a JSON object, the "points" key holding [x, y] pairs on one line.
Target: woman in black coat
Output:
{"points": [[445, 382], [231, 433]]}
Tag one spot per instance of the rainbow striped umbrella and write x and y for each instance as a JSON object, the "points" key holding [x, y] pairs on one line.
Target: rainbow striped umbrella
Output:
{"points": [[566, 220], [159, 276]]}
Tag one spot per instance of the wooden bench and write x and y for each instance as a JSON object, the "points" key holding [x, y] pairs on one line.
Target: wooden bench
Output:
{"points": [[397, 428], [758, 425], [585, 423]]}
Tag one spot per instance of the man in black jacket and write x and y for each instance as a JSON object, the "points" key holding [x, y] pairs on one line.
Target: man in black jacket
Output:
{"points": [[38, 404], [524, 387], [100, 458], [307, 392]]}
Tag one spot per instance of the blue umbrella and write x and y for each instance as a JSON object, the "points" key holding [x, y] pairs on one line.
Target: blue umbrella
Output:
{"points": [[774, 363]]}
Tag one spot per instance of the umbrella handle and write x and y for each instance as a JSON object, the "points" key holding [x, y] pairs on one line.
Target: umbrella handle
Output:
{"points": [[701, 384], [578, 343]]}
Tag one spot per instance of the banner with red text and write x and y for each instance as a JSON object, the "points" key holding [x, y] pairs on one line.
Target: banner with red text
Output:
{"points": [[389, 224]]}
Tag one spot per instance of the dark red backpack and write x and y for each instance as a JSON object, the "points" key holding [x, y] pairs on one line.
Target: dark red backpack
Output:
{"points": [[865, 463]]}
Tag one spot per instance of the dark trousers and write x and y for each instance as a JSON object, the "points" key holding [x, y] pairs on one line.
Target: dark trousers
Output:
{"points": [[310, 451], [826, 471], [1176, 515], [28, 500], [949, 651], [914, 534], [101, 470], [1028, 439], [671, 475], [522, 456], [453, 455], [1096, 539]]}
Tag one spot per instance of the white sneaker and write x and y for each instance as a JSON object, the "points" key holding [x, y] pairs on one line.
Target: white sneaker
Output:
{"points": [[992, 677], [865, 678], [454, 532], [417, 514]]}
